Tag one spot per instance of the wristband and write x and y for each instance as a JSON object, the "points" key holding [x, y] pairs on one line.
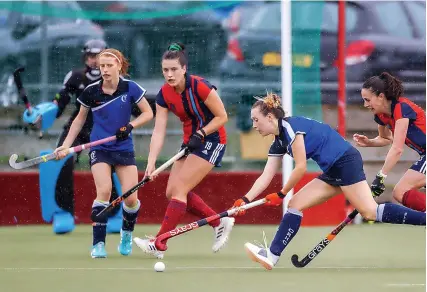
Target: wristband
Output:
{"points": [[203, 132], [246, 200], [280, 194]]}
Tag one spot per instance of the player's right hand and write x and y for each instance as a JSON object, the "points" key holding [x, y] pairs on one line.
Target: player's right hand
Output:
{"points": [[61, 152], [239, 203], [378, 186], [361, 140], [195, 142], [149, 170], [274, 199]]}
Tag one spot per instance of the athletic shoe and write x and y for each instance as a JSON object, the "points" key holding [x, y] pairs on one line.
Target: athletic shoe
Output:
{"points": [[98, 251], [222, 233], [261, 254], [125, 245], [148, 246]]}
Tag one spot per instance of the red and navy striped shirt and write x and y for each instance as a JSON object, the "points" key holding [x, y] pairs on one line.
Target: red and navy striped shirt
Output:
{"points": [[190, 108], [404, 108]]}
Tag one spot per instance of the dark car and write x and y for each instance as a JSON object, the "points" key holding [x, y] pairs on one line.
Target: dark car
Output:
{"points": [[21, 36], [380, 36], [144, 38]]}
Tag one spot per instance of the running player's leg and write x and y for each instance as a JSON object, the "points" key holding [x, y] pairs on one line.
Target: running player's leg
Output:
{"points": [[314, 193], [128, 175], [101, 174], [359, 195], [407, 189]]}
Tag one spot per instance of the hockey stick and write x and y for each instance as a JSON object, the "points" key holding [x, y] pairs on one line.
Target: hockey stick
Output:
{"points": [[194, 225], [117, 201], [21, 90], [47, 157], [324, 243]]}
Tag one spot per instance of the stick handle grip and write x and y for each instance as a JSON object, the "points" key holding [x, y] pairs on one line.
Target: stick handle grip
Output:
{"points": [[247, 206], [169, 162], [79, 148]]}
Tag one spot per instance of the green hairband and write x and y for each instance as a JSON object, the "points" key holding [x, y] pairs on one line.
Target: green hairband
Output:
{"points": [[174, 47]]}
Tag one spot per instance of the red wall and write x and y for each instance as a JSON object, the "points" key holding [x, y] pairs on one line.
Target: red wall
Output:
{"points": [[20, 199]]}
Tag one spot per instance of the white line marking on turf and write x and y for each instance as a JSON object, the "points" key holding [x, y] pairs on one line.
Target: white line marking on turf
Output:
{"points": [[405, 285], [190, 268]]}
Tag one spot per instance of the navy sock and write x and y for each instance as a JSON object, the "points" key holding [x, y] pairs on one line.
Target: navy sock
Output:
{"points": [[397, 214], [289, 226], [99, 224], [129, 216]]}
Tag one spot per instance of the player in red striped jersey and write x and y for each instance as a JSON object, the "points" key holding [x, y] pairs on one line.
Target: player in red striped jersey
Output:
{"points": [[400, 122], [197, 104]]}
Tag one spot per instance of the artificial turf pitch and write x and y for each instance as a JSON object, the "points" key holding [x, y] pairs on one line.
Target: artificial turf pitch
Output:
{"points": [[375, 257]]}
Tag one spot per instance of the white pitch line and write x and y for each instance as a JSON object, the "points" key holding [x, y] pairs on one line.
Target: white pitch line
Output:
{"points": [[405, 285], [186, 268]]}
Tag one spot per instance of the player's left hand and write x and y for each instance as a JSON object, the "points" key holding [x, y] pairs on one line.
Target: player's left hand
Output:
{"points": [[274, 199], [195, 142], [124, 132], [377, 186]]}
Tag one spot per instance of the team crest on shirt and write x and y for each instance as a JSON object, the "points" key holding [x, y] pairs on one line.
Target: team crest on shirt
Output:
{"points": [[123, 97]]}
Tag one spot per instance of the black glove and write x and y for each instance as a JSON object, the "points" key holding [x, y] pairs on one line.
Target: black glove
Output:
{"points": [[124, 132], [377, 186], [195, 142]]}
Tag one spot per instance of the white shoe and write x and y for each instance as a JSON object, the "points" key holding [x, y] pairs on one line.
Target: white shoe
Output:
{"points": [[147, 245], [222, 232], [261, 254]]}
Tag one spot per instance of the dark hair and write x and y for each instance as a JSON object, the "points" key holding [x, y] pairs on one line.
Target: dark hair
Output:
{"points": [[270, 104], [385, 83], [176, 51], [120, 58]]}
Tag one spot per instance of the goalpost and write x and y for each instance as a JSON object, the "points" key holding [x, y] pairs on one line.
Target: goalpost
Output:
{"points": [[286, 56]]}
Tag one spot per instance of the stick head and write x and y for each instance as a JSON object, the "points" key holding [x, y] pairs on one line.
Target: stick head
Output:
{"points": [[18, 70], [12, 160]]}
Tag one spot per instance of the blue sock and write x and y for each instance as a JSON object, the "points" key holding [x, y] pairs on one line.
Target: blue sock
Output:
{"points": [[289, 226], [397, 214], [99, 224], [129, 216]]}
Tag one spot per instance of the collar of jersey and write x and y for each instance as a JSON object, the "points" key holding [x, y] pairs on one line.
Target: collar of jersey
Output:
{"points": [[121, 87]]}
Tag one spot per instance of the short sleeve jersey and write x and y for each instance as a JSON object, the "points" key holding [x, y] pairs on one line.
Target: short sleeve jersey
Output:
{"points": [[322, 143], [111, 112], [190, 107], [404, 108]]}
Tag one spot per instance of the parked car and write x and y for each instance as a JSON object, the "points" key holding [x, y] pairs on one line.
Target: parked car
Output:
{"points": [[381, 36], [21, 44], [145, 38]]}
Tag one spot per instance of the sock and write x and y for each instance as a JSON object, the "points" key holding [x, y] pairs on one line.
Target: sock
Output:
{"points": [[198, 207], [99, 224], [129, 216], [396, 214], [415, 199], [174, 212], [289, 226]]}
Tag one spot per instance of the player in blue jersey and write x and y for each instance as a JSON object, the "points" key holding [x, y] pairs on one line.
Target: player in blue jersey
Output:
{"points": [[342, 167], [110, 101]]}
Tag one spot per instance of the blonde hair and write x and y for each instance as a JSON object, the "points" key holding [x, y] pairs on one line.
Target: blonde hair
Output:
{"points": [[270, 104], [119, 57]]}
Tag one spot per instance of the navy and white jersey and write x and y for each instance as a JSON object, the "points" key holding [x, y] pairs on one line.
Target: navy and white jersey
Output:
{"points": [[111, 112], [322, 143]]}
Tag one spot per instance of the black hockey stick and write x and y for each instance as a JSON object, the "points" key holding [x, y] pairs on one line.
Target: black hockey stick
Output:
{"points": [[107, 209], [21, 90], [324, 243]]}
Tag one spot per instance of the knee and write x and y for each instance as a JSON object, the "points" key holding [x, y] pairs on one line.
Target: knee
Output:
{"points": [[176, 191], [131, 201], [369, 214], [398, 193], [293, 204]]}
